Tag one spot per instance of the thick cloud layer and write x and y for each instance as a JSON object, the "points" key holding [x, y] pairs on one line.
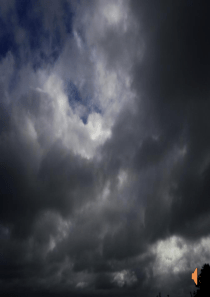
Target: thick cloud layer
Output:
{"points": [[104, 148]]}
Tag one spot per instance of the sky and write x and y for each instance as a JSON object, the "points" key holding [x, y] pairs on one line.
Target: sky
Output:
{"points": [[104, 147]]}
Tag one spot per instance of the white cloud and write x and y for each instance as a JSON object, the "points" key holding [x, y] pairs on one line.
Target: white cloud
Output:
{"points": [[124, 277], [122, 177], [109, 88], [174, 255], [81, 285]]}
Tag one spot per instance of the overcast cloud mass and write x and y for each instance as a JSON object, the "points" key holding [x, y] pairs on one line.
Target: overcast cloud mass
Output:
{"points": [[104, 147]]}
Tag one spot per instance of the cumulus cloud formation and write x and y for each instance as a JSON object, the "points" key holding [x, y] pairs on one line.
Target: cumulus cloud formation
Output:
{"points": [[104, 148]]}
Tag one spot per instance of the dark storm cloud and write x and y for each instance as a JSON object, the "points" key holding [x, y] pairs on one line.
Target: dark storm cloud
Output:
{"points": [[173, 77], [69, 224], [171, 145]]}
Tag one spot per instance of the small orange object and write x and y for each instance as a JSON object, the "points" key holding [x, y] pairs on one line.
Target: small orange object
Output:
{"points": [[195, 276]]}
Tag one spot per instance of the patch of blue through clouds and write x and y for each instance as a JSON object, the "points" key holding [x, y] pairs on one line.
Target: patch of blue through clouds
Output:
{"points": [[75, 98], [7, 38], [40, 46], [44, 45]]}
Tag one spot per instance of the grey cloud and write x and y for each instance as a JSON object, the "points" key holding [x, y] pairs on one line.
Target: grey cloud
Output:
{"points": [[73, 225]]}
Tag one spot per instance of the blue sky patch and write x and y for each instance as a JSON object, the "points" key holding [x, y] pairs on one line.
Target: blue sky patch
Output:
{"points": [[68, 16], [75, 97]]}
